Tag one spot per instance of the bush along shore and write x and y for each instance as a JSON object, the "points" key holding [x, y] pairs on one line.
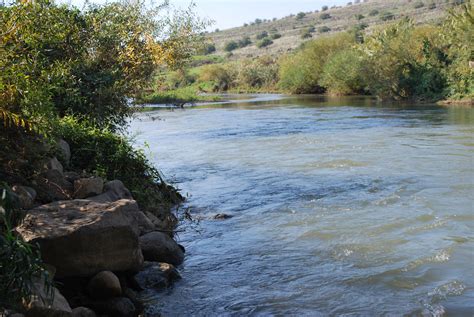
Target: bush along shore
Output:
{"points": [[86, 221], [398, 60]]}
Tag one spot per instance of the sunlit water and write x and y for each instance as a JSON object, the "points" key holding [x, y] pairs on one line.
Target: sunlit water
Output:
{"points": [[341, 207]]}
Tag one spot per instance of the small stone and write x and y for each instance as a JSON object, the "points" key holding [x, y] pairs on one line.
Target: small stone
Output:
{"points": [[104, 285], [87, 187], [83, 312], [222, 216]]}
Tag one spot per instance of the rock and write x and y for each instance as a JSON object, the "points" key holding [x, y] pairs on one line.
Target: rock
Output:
{"points": [[26, 196], [116, 307], [104, 285], [53, 164], [159, 247], [113, 191], [65, 149], [135, 299], [71, 176], [51, 185], [156, 275], [222, 216], [15, 315], [83, 238], [155, 220], [38, 304], [87, 187], [83, 312]]}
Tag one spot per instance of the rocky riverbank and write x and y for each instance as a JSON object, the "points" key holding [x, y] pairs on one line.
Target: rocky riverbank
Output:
{"points": [[100, 248]]}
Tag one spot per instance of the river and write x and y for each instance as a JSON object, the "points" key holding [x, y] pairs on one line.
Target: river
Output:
{"points": [[341, 207]]}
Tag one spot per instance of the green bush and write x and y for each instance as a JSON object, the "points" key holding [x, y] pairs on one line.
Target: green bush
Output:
{"points": [[374, 12], [275, 36], [244, 42], [112, 156], [300, 16], [301, 72], [418, 4], [342, 74], [20, 262], [387, 16], [258, 73], [264, 42], [230, 46], [219, 75], [261, 35], [324, 8], [404, 62], [325, 16], [359, 17], [324, 29]]}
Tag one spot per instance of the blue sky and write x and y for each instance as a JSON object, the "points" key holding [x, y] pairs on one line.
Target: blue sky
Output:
{"points": [[231, 13]]}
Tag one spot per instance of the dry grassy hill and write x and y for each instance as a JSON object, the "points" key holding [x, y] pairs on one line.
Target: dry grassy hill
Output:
{"points": [[291, 28]]}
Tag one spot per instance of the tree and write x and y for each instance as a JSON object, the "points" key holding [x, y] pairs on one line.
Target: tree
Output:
{"points": [[230, 46]]}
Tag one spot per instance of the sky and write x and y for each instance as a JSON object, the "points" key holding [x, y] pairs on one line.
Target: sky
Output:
{"points": [[231, 13]]}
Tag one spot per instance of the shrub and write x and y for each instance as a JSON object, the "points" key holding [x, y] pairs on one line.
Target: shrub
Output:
{"points": [[387, 16], [261, 35], [300, 16], [258, 73], [111, 156], [374, 12], [324, 8], [275, 36], [230, 46], [301, 72], [208, 48], [244, 42], [324, 29], [359, 16], [418, 4], [403, 62], [20, 262], [432, 6], [342, 74], [217, 74], [264, 42], [325, 16], [306, 35]]}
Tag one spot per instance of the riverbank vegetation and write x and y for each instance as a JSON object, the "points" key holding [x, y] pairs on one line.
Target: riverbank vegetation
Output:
{"points": [[399, 60], [70, 74]]}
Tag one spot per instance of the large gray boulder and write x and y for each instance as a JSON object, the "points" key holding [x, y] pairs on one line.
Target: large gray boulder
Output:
{"points": [[113, 191], [87, 187], [83, 238], [160, 247], [39, 303], [104, 285]]}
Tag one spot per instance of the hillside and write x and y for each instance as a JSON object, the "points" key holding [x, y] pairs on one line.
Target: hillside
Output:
{"points": [[369, 13]]}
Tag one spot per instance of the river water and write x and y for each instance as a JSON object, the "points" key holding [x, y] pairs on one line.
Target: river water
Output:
{"points": [[342, 207]]}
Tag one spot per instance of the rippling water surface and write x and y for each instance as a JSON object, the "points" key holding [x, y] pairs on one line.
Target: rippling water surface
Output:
{"points": [[341, 207]]}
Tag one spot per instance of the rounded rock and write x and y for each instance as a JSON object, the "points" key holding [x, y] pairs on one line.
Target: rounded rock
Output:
{"points": [[104, 285]]}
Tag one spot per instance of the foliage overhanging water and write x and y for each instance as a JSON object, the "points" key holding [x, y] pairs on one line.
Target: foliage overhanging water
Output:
{"points": [[341, 207]]}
